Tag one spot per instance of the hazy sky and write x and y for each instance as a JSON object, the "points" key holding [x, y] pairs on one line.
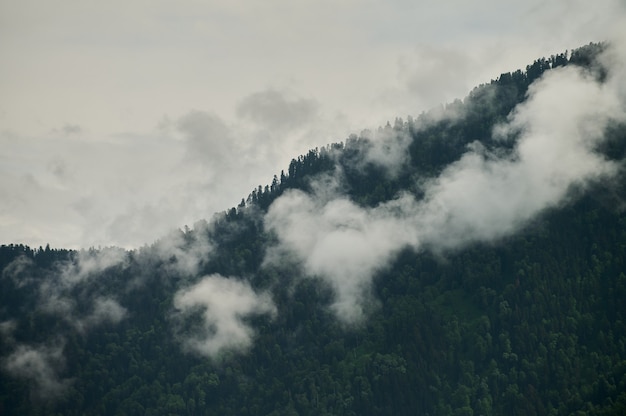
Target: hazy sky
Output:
{"points": [[122, 120]]}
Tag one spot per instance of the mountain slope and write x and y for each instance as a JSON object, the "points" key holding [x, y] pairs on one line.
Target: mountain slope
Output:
{"points": [[430, 267]]}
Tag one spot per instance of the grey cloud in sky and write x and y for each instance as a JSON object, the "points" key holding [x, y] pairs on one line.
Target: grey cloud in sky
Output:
{"points": [[208, 139], [435, 74], [81, 190], [276, 111], [69, 129]]}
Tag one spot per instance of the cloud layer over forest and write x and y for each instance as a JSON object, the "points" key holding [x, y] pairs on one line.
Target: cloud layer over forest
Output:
{"points": [[482, 197], [194, 162]]}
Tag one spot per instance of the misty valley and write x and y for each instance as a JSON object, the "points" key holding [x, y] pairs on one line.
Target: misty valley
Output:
{"points": [[470, 260]]}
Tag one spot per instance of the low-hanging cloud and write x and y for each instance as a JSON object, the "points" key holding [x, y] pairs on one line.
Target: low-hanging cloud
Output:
{"points": [[483, 196], [224, 304], [387, 148], [41, 366], [104, 309], [89, 263], [72, 291], [75, 291], [180, 252], [57, 294], [339, 241]]}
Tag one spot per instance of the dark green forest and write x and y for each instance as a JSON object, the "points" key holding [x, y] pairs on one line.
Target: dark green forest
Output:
{"points": [[531, 322]]}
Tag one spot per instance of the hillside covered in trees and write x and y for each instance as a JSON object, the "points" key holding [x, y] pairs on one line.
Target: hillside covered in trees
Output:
{"points": [[468, 261]]}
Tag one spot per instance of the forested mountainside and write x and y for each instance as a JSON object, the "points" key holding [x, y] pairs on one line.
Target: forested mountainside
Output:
{"points": [[469, 261]]}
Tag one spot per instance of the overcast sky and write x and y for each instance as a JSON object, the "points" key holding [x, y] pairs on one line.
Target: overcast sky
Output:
{"points": [[121, 120]]}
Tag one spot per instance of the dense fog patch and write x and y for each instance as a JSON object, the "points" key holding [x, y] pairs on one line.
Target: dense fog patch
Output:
{"points": [[223, 303]]}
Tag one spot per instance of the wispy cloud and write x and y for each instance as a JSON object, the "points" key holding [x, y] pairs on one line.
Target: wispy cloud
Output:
{"points": [[277, 111], [180, 252], [41, 366], [82, 293]]}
